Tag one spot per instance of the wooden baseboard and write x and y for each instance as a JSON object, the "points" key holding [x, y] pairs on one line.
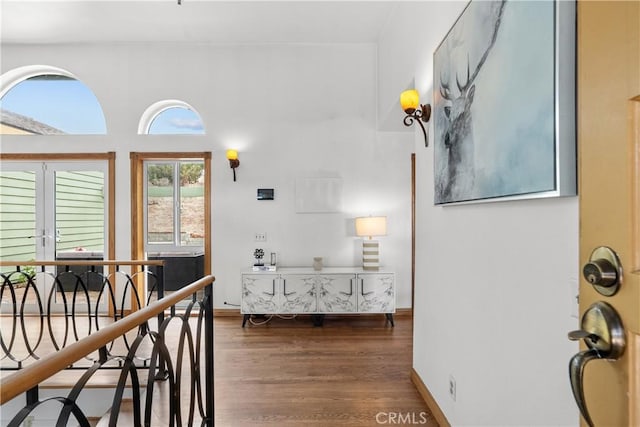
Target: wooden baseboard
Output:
{"points": [[429, 400], [226, 312], [404, 312]]}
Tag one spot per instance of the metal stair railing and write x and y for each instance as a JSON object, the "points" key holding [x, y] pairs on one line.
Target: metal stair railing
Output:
{"points": [[160, 363]]}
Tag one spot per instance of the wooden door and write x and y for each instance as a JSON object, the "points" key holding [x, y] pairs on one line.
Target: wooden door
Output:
{"points": [[609, 187]]}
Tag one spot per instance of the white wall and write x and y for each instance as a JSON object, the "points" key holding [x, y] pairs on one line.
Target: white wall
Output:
{"points": [[290, 110], [494, 281]]}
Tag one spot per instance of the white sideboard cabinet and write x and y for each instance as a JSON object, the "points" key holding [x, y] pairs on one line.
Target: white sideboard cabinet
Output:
{"points": [[307, 291]]}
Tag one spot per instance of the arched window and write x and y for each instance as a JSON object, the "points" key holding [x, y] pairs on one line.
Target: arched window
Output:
{"points": [[171, 117], [43, 100]]}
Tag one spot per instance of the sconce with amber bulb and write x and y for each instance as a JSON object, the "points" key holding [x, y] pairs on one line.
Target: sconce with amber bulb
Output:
{"points": [[410, 103], [232, 156]]}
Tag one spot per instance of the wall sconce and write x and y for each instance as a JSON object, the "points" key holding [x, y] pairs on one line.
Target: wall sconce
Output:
{"points": [[410, 103], [232, 155], [370, 226]]}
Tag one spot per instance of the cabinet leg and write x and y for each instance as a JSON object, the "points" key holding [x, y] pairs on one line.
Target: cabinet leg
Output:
{"points": [[318, 319], [244, 319], [390, 318]]}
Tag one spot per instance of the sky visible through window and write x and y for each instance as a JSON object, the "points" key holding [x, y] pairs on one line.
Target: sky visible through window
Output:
{"points": [[63, 103], [70, 106], [176, 120]]}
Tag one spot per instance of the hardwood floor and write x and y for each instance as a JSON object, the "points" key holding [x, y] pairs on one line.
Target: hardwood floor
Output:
{"points": [[353, 371]]}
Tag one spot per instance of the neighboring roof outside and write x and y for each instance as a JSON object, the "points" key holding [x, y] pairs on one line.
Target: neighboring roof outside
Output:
{"points": [[27, 124]]}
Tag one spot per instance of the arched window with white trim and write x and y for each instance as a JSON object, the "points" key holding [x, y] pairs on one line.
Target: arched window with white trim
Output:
{"points": [[171, 117], [45, 100]]}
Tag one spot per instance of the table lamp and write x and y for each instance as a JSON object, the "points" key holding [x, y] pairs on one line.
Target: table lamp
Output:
{"points": [[371, 226]]}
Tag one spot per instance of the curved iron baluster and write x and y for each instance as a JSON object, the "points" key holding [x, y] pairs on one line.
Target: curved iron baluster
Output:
{"points": [[142, 274], [134, 290], [129, 368], [31, 350], [107, 289], [79, 284], [160, 355], [129, 286], [119, 312], [70, 306], [58, 284], [174, 375], [154, 287], [6, 282], [26, 411], [110, 287], [160, 349], [196, 382], [185, 332], [87, 275], [73, 395]]}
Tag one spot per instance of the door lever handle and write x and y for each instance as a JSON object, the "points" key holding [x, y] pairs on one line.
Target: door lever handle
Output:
{"points": [[603, 333], [576, 374], [42, 236], [583, 335]]}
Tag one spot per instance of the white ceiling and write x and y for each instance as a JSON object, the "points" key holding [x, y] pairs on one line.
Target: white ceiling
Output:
{"points": [[194, 21]]}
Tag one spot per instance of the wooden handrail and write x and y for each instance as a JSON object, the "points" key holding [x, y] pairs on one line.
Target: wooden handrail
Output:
{"points": [[30, 376], [79, 262]]}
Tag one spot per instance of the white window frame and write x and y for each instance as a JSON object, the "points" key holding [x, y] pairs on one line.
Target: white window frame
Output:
{"points": [[175, 245], [154, 110]]}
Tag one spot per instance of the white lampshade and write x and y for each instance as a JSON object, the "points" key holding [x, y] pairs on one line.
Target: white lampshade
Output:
{"points": [[369, 226]]}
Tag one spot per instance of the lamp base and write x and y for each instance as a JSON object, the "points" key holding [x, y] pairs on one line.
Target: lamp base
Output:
{"points": [[370, 255]]}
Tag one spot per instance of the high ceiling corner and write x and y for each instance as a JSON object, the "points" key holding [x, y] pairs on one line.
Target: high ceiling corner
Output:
{"points": [[193, 21]]}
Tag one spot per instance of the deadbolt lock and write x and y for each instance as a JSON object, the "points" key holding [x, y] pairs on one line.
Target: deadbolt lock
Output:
{"points": [[603, 271]]}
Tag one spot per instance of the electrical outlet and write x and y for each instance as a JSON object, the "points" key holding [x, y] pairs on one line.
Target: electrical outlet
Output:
{"points": [[261, 237], [452, 387]]}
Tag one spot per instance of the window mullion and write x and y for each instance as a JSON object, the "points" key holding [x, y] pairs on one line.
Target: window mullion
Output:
{"points": [[176, 204]]}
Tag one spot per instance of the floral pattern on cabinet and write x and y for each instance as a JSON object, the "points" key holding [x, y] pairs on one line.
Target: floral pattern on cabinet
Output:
{"points": [[336, 293], [332, 291], [259, 293], [298, 294], [376, 293]]}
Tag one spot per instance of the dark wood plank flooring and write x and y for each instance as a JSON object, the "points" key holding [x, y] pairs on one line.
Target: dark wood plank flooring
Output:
{"points": [[353, 371]]}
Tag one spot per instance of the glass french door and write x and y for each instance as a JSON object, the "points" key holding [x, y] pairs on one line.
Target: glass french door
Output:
{"points": [[54, 211]]}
